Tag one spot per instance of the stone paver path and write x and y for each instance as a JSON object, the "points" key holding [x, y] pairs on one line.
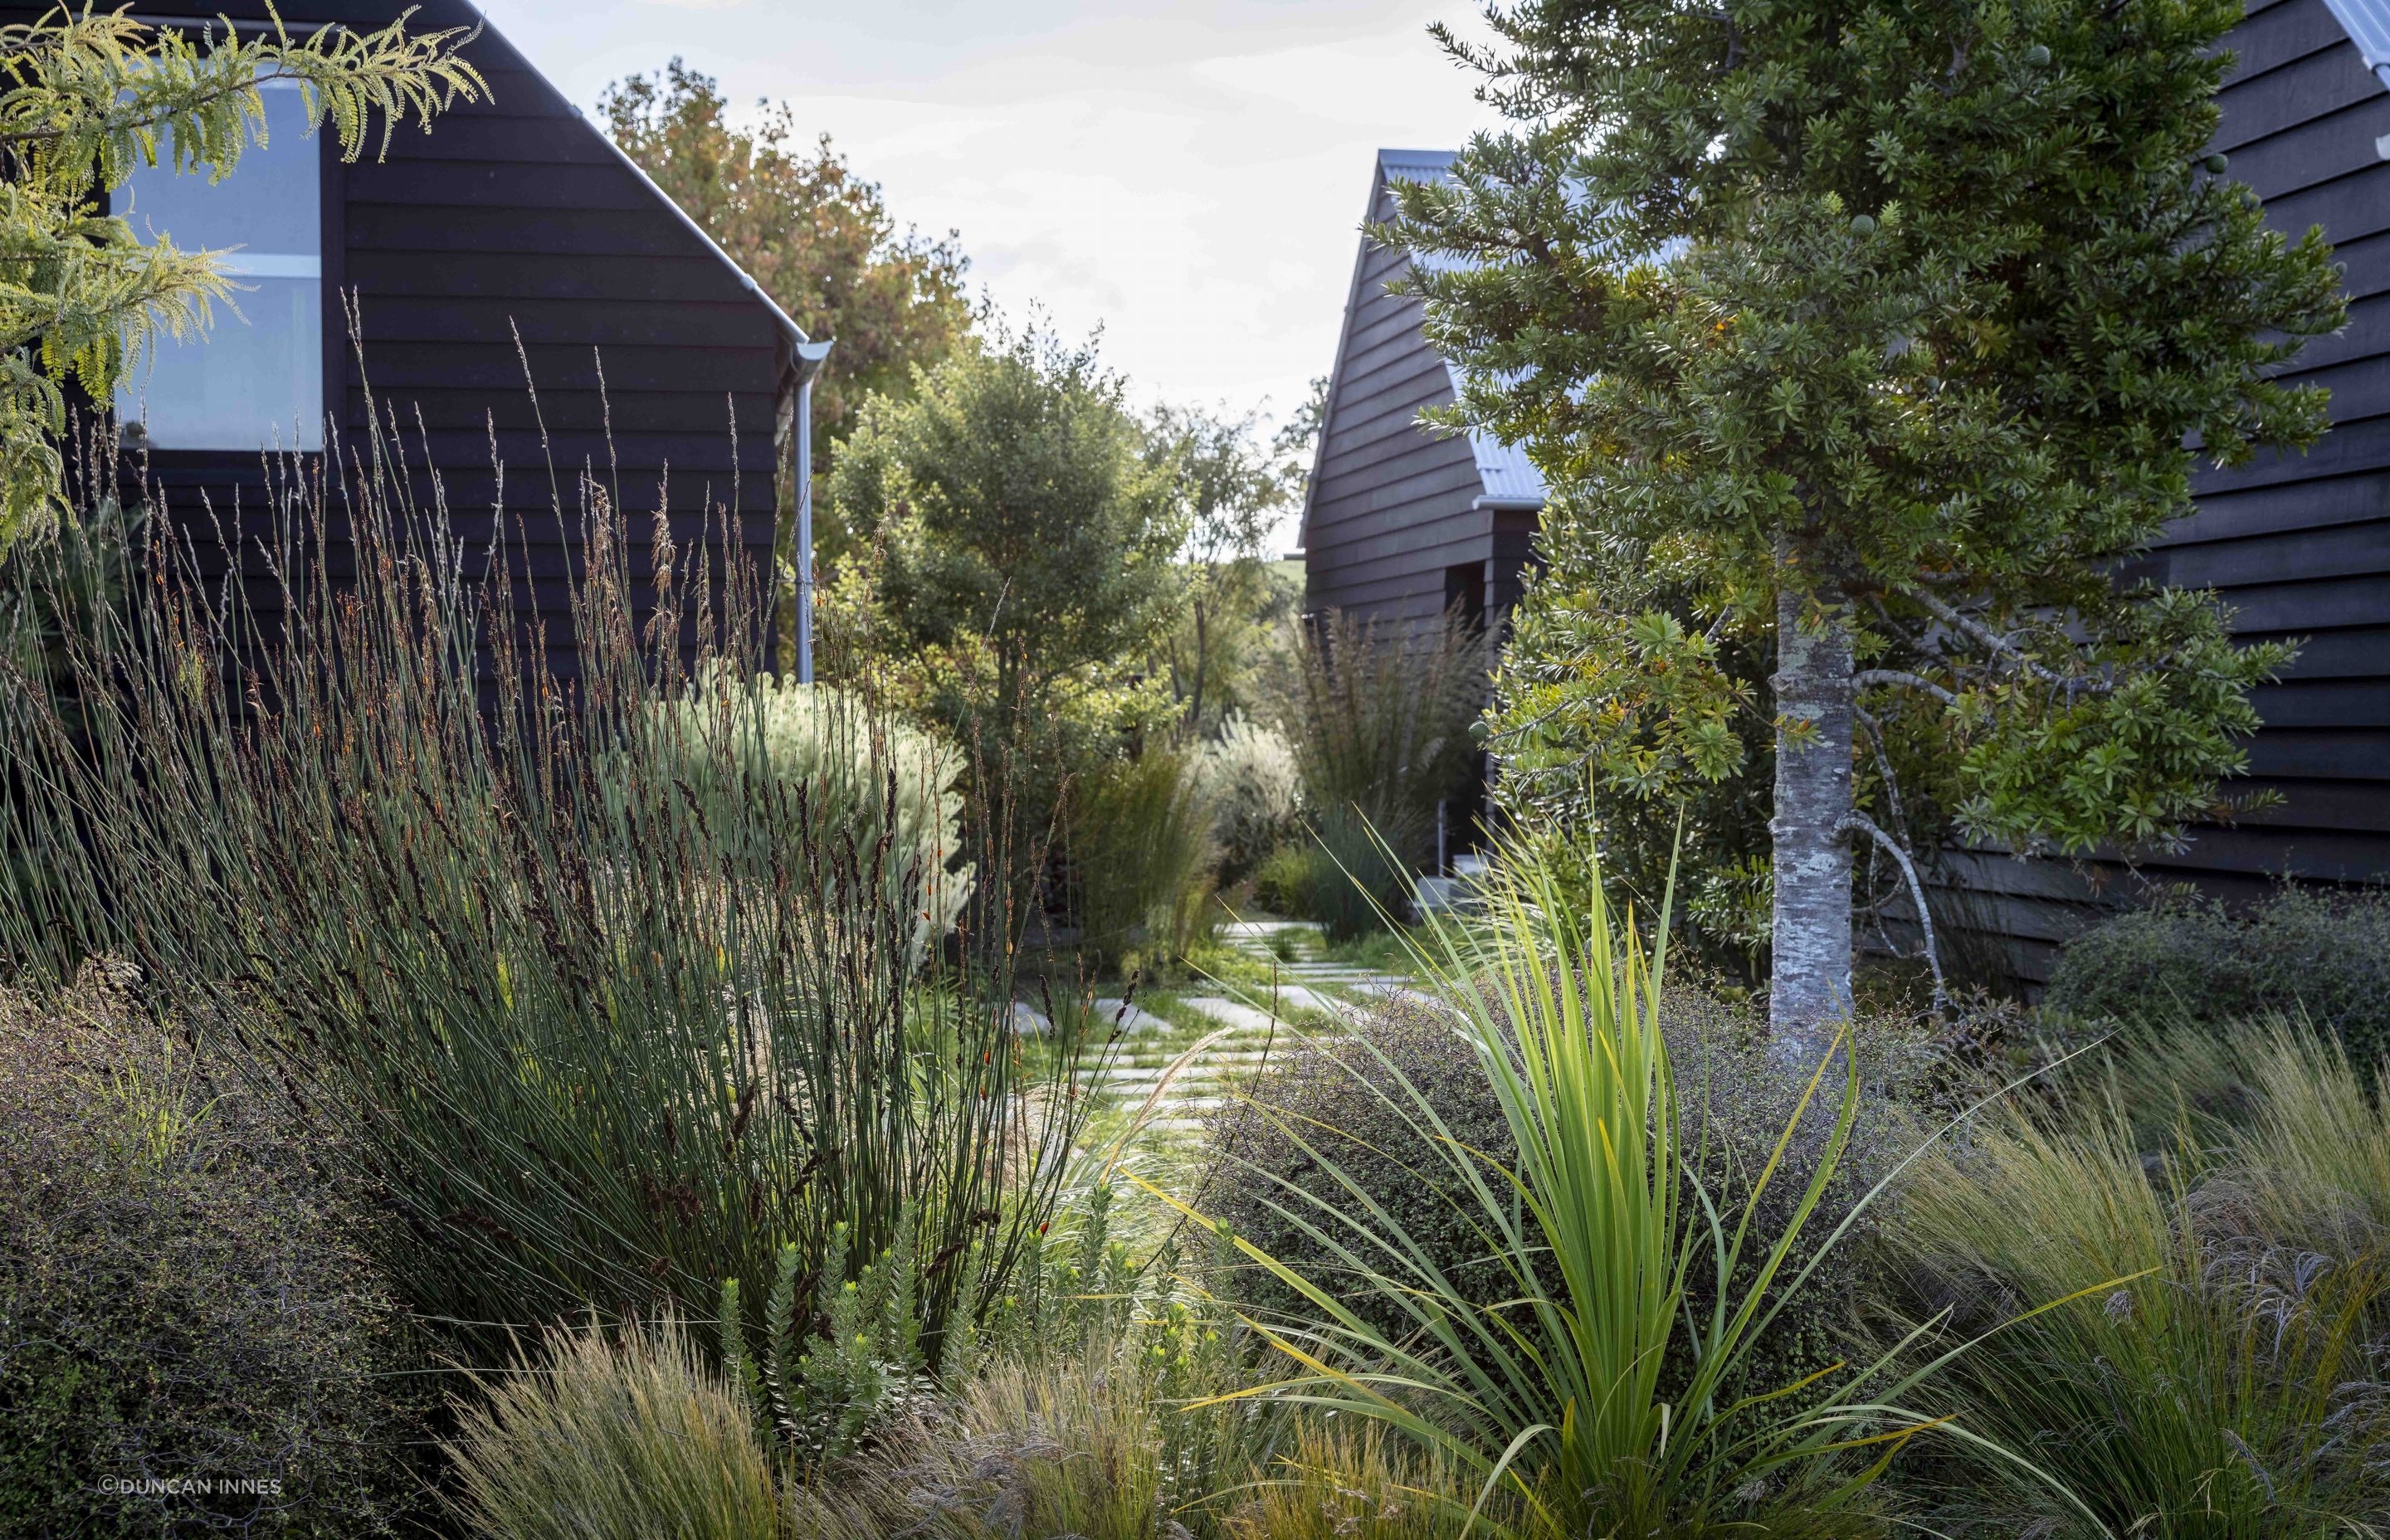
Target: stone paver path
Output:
{"points": [[1242, 1031]]}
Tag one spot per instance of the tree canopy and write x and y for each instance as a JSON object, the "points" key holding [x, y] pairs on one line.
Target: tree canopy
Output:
{"points": [[1231, 490], [1876, 334], [794, 213], [1027, 528], [91, 99]]}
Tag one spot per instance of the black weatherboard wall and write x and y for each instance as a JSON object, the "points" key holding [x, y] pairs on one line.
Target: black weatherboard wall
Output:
{"points": [[513, 218], [1399, 522]]}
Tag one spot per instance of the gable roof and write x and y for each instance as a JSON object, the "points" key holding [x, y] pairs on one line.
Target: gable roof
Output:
{"points": [[805, 355], [1505, 476]]}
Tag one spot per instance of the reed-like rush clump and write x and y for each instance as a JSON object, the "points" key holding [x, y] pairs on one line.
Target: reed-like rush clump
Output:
{"points": [[601, 1032], [1142, 856], [1602, 1392], [1380, 722]]}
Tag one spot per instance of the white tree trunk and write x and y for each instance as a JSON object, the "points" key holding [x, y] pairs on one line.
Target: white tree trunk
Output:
{"points": [[1811, 984]]}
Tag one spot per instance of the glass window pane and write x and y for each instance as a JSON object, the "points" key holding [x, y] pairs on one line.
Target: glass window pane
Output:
{"points": [[257, 379]]}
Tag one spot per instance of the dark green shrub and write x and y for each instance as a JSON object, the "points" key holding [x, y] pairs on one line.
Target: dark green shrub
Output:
{"points": [[1739, 1098], [2303, 953], [182, 1298], [1282, 882]]}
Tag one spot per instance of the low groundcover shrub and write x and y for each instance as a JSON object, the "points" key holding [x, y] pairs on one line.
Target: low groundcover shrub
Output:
{"points": [[182, 1299]]}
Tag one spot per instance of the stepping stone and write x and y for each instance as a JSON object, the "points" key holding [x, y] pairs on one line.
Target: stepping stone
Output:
{"points": [[1296, 997], [1241, 928], [1028, 1022], [1229, 1012], [1126, 1017]]}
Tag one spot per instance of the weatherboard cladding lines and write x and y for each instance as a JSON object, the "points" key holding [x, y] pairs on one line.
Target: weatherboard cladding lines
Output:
{"points": [[1391, 508], [2298, 545], [513, 216]]}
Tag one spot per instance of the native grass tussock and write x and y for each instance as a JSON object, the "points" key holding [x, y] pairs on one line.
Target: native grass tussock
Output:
{"points": [[2236, 1383], [609, 984]]}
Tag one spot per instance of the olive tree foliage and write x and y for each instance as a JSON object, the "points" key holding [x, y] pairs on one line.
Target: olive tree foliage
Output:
{"points": [[88, 99], [1878, 332]]}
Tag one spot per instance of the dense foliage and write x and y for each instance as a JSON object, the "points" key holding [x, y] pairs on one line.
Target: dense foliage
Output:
{"points": [[1140, 833], [91, 96], [1231, 491], [1249, 775], [1026, 531], [184, 1296], [1877, 335], [2189, 963]]}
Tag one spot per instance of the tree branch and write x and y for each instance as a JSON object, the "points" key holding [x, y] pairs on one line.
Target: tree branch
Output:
{"points": [[1856, 822], [2006, 646], [1867, 676]]}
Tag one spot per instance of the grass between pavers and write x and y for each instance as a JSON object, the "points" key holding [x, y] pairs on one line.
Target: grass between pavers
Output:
{"points": [[1168, 1144]]}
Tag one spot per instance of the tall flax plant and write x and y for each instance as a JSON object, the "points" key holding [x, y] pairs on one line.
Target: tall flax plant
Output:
{"points": [[601, 1032], [1602, 1399]]}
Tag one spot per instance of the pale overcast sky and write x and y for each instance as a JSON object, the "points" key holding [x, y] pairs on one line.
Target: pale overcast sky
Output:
{"points": [[1187, 174]]}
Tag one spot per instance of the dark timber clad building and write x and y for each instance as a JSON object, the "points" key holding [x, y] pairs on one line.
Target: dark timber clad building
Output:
{"points": [[1398, 520], [512, 223]]}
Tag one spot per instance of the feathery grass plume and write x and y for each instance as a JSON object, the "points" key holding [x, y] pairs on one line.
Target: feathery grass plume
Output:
{"points": [[416, 819], [1248, 772], [1381, 720], [1599, 1397], [613, 1436], [1142, 855]]}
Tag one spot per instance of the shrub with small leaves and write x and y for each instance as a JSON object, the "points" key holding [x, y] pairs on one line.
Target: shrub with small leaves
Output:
{"points": [[2189, 962], [182, 1298]]}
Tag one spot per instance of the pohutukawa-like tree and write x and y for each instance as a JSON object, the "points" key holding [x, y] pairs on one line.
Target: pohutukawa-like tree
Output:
{"points": [[1884, 329]]}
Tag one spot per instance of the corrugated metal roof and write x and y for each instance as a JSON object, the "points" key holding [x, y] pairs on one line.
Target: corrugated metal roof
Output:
{"points": [[2367, 22], [1504, 470]]}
